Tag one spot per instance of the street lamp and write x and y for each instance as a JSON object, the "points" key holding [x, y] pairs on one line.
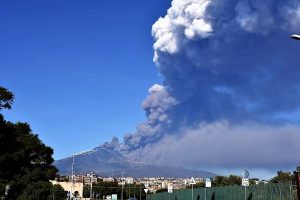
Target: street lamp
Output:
{"points": [[91, 188], [72, 185], [295, 36]]}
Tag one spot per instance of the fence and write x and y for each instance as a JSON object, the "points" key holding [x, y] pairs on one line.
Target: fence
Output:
{"points": [[257, 192]]}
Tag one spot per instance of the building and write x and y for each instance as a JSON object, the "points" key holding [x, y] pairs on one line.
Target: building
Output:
{"points": [[70, 187], [129, 180], [90, 178]]}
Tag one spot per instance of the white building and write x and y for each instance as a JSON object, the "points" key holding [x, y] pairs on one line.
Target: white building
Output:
{"points": [[129, 180], [70, 187]]}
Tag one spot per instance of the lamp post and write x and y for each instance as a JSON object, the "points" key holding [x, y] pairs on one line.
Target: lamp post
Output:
{"points": [[91, 188], [297, 172], [72, 185]]}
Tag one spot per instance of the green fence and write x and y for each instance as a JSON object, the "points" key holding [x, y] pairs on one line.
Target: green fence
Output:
{"points": [[257, 192]]}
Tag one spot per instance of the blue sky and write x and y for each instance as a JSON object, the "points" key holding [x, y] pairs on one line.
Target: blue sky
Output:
{"points": [[79, 69]]}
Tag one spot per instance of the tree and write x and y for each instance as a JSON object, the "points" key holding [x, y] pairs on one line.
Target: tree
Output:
{"points": [[198, 185], [219, 181], [283, 177], [58, 193], [226, 181], [43, 190], [6, 98], [234, 180], [76, 194], [25, 162]]}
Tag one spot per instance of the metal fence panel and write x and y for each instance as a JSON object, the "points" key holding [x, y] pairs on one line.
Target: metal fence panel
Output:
{"points": [[255, 192]]}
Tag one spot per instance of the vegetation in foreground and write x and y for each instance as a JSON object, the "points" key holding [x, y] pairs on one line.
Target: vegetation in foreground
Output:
{"points": [[26, 164]]}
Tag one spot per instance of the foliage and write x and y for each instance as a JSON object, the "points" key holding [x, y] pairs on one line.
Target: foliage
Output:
{"points": [[43, 190], [36, 191], [58, 193], [25, 162], [6, 98], [199, 185], [283, 177], [226, 181]]}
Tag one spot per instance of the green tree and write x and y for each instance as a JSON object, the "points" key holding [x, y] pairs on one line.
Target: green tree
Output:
{"points": [[36, 191], [58, 193], [283, 177], [234, 180], [197, 185], [25, 162], [226, 181], [219, 181], [43, 190], [6, 98]]}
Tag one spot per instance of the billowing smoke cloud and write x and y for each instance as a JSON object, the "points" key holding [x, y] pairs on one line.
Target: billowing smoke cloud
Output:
{"points": [[221, 144], [156, 106], [225, 64]]}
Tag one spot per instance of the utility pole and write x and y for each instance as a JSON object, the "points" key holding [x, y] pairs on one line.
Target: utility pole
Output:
{"points": [[129, 191], [72, 185], [122, 186], [140, 191]]}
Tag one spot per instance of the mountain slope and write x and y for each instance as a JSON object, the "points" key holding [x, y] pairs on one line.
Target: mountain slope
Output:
{"points": [[107, 161]]}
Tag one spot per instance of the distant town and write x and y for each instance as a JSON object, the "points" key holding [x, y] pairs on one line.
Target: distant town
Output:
{"points": [[152, 183], [79, 183]]}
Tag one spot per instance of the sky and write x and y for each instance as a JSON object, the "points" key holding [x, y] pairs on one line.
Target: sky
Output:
{"points": [[79, 69], [212, 83]]}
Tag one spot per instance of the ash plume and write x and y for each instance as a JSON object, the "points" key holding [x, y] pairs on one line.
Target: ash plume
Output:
{"points": [[226, 64]]}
